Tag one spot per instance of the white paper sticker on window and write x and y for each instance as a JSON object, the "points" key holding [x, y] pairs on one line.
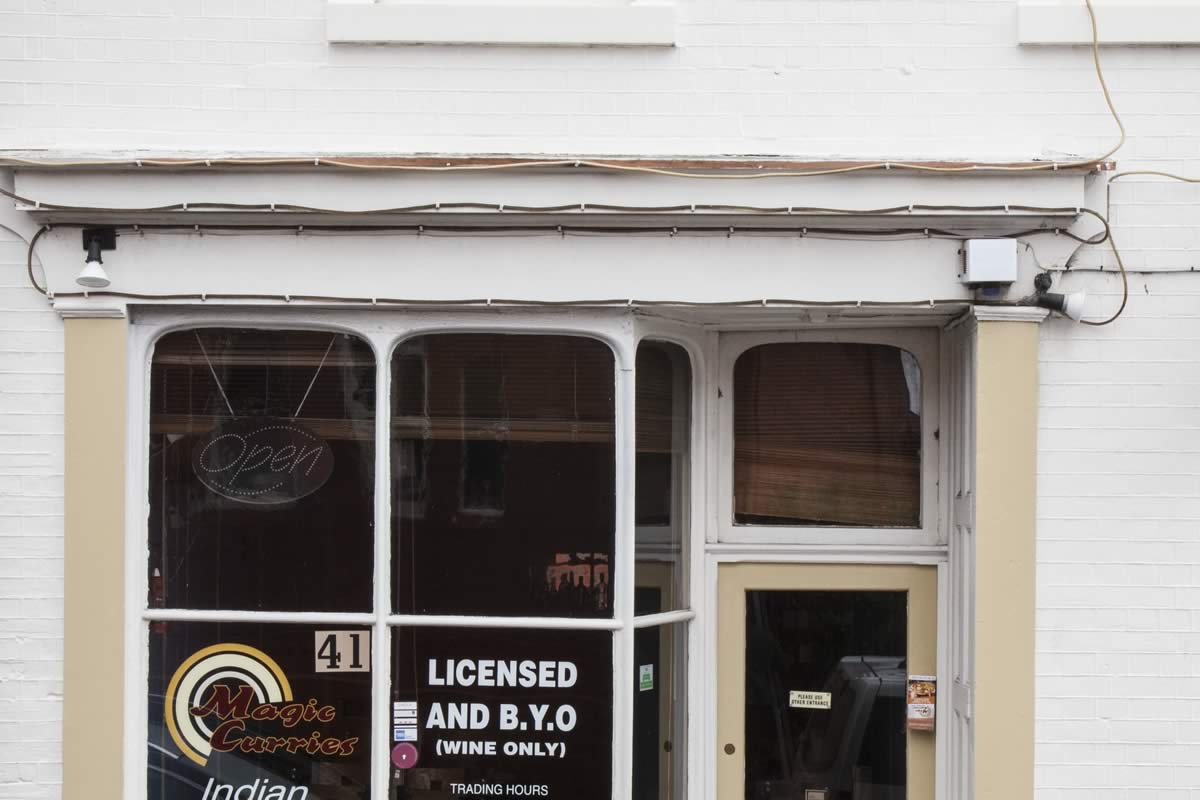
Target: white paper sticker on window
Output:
{"points": [[810, 699]]}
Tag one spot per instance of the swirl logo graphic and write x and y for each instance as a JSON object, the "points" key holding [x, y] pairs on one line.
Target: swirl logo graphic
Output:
{"points": [[197, 677]]}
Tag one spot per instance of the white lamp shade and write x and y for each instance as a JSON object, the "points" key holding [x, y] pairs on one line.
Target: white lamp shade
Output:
{"points": [[1073, 304], [93, 276], [1069, 305]]}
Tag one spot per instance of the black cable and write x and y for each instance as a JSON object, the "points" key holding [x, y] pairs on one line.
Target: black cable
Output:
{"points": [[1105, 235], [29, 259]]}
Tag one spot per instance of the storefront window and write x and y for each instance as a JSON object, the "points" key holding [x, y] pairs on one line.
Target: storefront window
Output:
{"points": [[660, 712], [529, 711], [827, 434], [659, 682], [664, 397], [261, 471], [261, 615], [504, 492], [248, 705]]}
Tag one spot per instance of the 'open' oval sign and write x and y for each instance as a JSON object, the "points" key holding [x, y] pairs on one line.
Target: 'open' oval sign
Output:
{"points": [[262, 460]]}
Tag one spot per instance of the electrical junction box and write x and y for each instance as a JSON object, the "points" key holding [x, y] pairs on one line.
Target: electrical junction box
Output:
{"points": [[988, 262]]}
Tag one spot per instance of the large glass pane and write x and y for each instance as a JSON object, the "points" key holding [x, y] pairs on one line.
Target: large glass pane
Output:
{"points": [[261, 470], [664, 397], [503, 713], [504, 475], [660, 712], [825, 694], [253, 712], [827, 434]]}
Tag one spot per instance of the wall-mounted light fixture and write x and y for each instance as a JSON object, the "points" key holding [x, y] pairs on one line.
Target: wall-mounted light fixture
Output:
{"points": [[95, 241], [1069, 305]]}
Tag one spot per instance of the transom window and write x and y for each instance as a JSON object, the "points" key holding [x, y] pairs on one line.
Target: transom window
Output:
{"points": [[827, 433], [829, 438]]}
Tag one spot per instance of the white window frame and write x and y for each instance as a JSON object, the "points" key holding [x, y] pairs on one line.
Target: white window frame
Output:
{"points": [[384, 334], [658, 538], [710, 350], [1119, 22], [923, 343], [617, 23]]}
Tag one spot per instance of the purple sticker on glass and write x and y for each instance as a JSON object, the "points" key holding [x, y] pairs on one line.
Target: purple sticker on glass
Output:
{"points": [[404, 755]]}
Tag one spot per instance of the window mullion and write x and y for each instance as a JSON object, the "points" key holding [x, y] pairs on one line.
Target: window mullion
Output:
{"points": [[665, 618], [625, 558], [381, 634], [534, 623], [220, 615]]}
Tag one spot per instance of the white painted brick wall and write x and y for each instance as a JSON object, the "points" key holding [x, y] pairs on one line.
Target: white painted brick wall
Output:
{"points": [[810, 78], [31, 547], [1118, 625], [1119, 506]]}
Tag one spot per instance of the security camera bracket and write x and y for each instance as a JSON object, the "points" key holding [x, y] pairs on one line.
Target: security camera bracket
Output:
{"points": [[106, 236]]}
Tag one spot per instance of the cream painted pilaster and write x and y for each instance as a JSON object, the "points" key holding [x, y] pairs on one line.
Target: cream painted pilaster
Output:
{"points": [[94, 554], [1006, 387]]}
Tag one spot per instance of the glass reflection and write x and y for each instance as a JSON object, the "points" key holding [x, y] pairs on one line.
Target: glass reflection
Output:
{"points": [[504, 475], [663, 422], [660, 712], [848, 649], [238, 711], [261, 470], [827, 434]]}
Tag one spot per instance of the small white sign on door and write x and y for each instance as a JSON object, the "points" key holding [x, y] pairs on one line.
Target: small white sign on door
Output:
{"points": [[810, 699]]}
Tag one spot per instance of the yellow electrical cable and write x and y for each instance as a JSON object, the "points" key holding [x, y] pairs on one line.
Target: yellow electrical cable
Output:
{"points": [[1103, 83], [624, 167], [617, 166], [1153, 172], [1148, 172]]}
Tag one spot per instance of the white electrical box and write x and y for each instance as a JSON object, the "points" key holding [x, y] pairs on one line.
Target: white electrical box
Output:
{"points": [[989, 261]]}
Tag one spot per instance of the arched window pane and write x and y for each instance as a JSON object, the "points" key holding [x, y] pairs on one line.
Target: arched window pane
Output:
{"points": [[503, 475], [262, 471], [664, 399]]}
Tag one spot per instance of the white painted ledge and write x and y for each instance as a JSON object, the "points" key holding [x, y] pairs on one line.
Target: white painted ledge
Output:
{"points": [[559, 24], [1120, 22], [1009, 313]]}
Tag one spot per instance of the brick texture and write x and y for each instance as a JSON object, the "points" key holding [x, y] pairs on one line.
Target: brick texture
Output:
{"points": [[1119, 472], [31, 547], [1118, 621]]}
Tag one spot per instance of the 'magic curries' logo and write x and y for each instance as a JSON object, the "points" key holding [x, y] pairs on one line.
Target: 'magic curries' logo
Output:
{"points": [[231, 697]]}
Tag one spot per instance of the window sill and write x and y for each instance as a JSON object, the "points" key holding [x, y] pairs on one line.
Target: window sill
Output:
{"points": [[621, 25], [1120, 22]]}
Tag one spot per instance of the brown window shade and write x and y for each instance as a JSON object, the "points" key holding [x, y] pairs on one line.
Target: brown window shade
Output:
{"points": [[827, 434]]}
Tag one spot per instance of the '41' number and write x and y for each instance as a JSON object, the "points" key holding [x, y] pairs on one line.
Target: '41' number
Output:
{"points": [[343, 651]]}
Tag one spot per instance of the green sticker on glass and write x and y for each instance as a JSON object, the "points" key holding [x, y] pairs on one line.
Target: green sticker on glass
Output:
{"points": [[645, 677]]}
